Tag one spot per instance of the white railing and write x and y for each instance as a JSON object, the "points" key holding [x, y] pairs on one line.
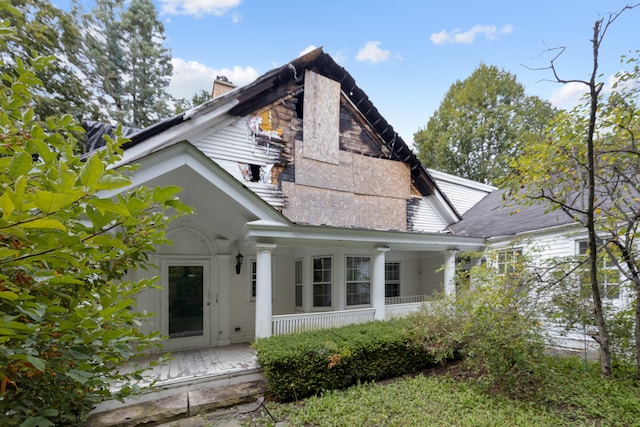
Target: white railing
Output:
{"points": [[401, 310], [292, 323], [405, 299]]}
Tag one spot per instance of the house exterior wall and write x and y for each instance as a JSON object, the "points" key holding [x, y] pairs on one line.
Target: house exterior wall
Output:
{"points": [[424, 217], [558, 243]]}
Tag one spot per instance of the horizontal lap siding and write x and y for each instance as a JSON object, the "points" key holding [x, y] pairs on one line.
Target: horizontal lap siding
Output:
{"points": [[422, 216]]}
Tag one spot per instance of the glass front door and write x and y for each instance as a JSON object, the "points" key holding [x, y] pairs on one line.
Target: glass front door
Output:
{"points": [[187, 302]]}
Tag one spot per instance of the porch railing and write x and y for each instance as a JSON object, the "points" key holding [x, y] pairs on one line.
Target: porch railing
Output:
{"points": [[405, 299], [292, 323], [401, 310]]}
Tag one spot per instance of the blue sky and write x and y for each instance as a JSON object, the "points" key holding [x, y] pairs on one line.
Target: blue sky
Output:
{"points": [[405, 54]]}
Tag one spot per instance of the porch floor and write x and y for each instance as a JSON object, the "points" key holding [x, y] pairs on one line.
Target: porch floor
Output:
{"points": [[190, 382], [187, 366]]}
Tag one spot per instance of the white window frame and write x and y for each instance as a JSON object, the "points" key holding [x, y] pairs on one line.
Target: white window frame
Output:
{"points": [[506, 260], [323, 283], [391, 282], [364, 281], [252, 265], [298, 278], [607, 269]]}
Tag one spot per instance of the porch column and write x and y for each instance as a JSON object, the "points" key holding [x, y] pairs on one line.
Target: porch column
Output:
{"points": [[263, 289], [377, 282], [450, 272]]}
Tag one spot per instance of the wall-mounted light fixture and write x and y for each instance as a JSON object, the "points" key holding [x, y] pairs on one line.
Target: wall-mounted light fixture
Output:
{"points": [[239, 259]]}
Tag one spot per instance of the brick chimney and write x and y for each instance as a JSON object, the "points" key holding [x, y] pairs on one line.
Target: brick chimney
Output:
{"points": [[221, 85]]}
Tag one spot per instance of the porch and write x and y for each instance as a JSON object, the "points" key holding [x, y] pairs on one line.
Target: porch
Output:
{"points": [[394, 307]]}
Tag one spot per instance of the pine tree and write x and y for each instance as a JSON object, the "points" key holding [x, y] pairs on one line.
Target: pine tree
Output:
{"points": [[130, 65]]}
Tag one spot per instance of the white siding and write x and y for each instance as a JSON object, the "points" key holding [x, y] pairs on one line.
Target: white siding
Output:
{"points": [[426, 218], [236, 144], [462, 193]]}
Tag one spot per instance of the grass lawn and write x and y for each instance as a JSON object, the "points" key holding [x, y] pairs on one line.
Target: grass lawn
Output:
{"points": [[568, 396]]}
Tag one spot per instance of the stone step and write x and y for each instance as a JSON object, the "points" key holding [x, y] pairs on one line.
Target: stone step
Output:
{"points": [[180, 400]]}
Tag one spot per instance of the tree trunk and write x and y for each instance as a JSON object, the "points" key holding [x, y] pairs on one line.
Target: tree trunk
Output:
{"points": [[594, 91]]}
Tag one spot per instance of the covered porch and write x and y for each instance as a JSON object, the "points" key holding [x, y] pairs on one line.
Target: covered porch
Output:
{"points": [[308, 277]]}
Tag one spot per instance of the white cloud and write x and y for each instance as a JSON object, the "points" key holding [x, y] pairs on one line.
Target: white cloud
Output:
{"points": [[190, 77], [568, 95], [371, 52], [571, 94], [491, 32], [199, 7], [236, 17]]}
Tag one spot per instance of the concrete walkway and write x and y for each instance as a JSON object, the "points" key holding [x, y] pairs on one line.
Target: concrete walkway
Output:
{"points": [[191, 383]]}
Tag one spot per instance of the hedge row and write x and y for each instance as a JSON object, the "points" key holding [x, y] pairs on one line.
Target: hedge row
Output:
{"points": [[300, 365]]}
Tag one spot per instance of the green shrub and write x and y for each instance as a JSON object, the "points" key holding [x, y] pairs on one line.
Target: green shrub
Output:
{"points": [[305, 364]]}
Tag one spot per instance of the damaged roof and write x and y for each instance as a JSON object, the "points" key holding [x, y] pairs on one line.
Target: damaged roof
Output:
{"points": [[276, 84]]}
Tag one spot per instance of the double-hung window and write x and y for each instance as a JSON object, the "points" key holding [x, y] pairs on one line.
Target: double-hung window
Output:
{"points": [[322, 282], [508, 260], [608, 274], [253, 280], [358, 280], [298, 283], [391, 279]]}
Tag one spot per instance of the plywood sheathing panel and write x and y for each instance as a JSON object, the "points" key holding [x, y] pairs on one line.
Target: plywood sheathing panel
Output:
{"points": [[380, 177], [321, 127], [319, 206], [355, 173], [324, 175]]}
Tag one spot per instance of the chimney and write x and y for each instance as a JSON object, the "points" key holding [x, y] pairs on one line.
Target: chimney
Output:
{"points": [[221, 85]]}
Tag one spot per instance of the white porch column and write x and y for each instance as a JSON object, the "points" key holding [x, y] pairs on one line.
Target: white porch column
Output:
{"points": [[263, 289], [377, 283], [450, 272]]}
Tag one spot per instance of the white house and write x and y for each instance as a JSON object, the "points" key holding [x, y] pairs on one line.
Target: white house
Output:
{"points": [[310, 210], [512, 228]]}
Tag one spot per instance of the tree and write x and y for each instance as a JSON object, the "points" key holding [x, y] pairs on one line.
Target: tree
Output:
{"points": [[587, 166], [67, 321], [481, 124], [129, 63], [48, 31], [199, 97]]}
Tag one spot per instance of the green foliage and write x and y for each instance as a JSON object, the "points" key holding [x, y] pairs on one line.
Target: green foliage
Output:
{"points": [[67, 318], [492, 323], [44, 30], [129, 64], [570, 397], [588, 166], [308, 363], [481, 124], [199, 97]]}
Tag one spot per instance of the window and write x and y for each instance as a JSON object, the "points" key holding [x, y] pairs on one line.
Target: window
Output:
{"points": [[608, 275], [253, 280], [298, 283], [358, 280], [322, 282], [507, 260], [391, 279], [253, 277]]}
